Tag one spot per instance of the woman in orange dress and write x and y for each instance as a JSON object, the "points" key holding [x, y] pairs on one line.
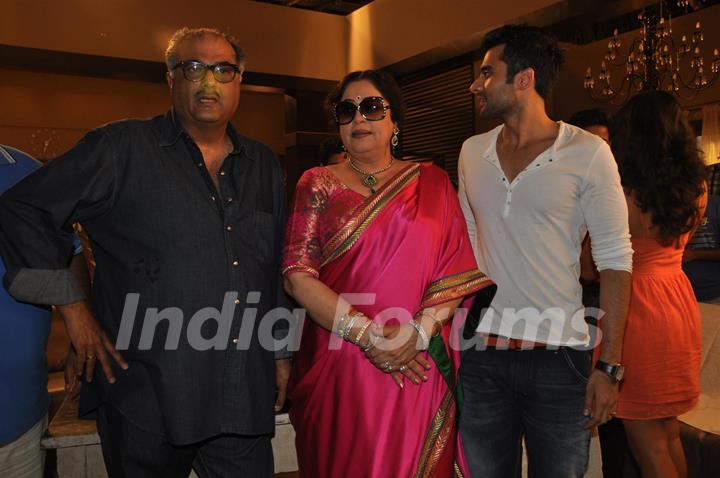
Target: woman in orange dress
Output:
{"points": [[663, 176]]}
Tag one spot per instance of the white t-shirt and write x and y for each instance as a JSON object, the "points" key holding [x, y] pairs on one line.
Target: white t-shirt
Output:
{"points": [[527, 233]]}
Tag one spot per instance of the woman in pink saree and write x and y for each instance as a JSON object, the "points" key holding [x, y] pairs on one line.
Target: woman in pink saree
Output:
{"points": [[377, 252]]}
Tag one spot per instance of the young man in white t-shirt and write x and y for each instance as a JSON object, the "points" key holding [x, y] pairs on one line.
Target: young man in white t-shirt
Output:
{"points": [[530, 190]]}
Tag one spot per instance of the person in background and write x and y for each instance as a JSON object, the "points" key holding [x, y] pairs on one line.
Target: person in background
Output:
{"points": [[530, 189], [376, 407], [25, 329], [594, 120], [701, 260], [331, 151], [663, 176], [186, 217]]}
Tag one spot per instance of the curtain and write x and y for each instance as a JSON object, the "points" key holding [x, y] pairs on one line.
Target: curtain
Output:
{"points": [[711, 133]]}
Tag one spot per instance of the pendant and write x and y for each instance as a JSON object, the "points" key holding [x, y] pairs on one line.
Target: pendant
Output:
{"points": [[369, 181]]}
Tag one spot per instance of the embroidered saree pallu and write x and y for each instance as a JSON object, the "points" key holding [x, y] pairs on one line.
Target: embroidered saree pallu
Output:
{"points": [[405, 248]]}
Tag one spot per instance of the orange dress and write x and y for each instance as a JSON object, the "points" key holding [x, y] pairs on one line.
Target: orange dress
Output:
{"points": [[662, 346]]}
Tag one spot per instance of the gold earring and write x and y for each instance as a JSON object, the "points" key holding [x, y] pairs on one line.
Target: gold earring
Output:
{"points": [[394, 141]]}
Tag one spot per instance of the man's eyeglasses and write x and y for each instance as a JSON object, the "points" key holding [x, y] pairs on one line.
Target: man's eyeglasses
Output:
{"points": [[193, 70], [372, 108]]}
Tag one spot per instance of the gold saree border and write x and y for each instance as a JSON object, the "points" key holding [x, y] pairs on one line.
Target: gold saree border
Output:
{"points": [[454, 286], [438, 435], [350, 233]]}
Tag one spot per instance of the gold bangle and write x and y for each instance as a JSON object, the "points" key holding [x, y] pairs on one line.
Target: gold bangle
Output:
{"points": [[436, 321], [441, 324], [362, 331]]}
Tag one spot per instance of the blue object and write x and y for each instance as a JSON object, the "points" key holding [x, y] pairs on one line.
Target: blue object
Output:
{"points": [[705, 275], [24, 332]]}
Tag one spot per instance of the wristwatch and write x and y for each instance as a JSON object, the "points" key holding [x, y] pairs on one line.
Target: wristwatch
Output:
{"points": [[614, 370]]}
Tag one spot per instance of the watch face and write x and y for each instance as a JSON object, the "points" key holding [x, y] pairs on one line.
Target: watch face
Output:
{"points": [[615, 371]]}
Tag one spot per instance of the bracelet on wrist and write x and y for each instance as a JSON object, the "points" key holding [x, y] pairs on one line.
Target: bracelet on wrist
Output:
{"points": [[437, 324], [341, 324], [351, 323], [372, 341], [360, 334], [421, 333]]}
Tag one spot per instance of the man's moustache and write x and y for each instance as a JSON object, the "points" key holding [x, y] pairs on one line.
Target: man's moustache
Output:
{"points": [[207, 94]]}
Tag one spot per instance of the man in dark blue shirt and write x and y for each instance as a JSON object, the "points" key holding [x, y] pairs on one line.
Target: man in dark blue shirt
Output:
{"points": [[186, 219], [24, 332], [701, 261]]}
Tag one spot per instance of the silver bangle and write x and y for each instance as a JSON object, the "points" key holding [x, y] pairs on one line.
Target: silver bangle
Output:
{"points": [[340, 325], [430, 313], [421, 332], [372, 341], [350, 324]]}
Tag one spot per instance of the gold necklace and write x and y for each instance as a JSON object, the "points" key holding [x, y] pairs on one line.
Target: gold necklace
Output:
{"points": [[369, 180]]}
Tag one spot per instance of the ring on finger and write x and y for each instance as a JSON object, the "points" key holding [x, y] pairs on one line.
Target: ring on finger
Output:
{"points": [[386, 366], [403, 368]]}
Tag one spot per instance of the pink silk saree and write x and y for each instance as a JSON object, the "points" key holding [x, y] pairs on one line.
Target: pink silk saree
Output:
{"points": [[407, 244]]}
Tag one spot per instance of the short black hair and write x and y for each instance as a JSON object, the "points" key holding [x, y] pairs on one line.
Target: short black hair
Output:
{"points": [[329, 148], [527, 47], [591, 117], [385, 84]]}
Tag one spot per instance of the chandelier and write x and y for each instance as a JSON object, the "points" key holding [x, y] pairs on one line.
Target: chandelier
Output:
{"points": [[655, 61]]}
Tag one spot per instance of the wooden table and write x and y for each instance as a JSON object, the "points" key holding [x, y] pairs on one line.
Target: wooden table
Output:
{"points": [[76, 443]]}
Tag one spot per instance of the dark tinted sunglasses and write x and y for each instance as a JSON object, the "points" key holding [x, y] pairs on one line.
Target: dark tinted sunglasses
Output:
{"points": [[372, 108]]}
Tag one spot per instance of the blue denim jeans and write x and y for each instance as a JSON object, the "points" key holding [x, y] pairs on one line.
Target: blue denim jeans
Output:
{"points": [[537, 394]]}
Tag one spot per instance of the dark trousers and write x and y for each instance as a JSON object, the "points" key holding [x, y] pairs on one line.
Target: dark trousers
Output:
{"points": [[131, 452], [614, 448], [538, 394]]}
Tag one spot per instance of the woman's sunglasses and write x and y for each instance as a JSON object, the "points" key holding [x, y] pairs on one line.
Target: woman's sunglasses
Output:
{"points": [[372, 108]]}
